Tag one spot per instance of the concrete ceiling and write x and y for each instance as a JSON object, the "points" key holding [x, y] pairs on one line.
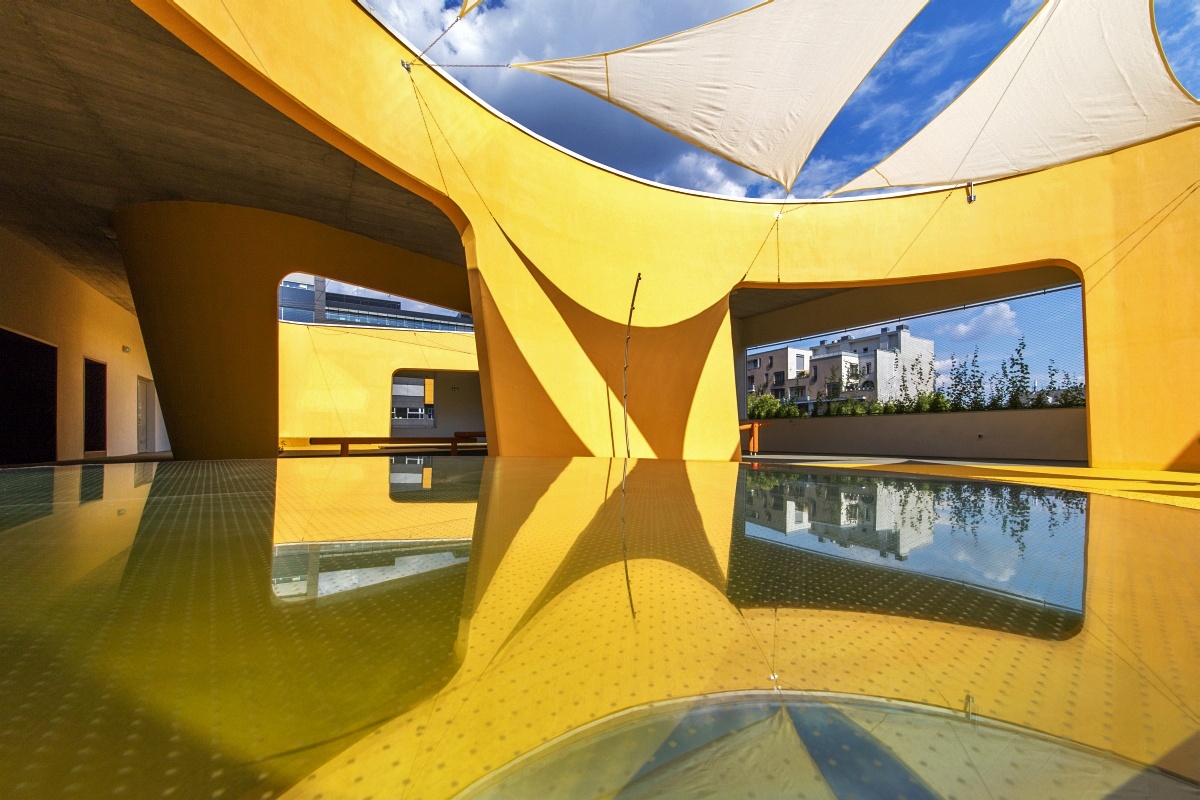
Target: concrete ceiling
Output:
{"points": [[101, 107]]}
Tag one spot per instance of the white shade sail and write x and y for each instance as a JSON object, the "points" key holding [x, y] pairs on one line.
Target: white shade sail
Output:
{"points": [[1084, 77], [758, 87]]}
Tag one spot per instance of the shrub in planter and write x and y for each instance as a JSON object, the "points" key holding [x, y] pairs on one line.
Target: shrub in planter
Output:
{"points": [[940, 403], [874, 407], [762, 406], [889, 408]]}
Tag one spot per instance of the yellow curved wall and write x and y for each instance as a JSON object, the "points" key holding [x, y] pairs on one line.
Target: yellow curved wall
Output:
{"points": [[554, 245], [337, 381], [205, 278]]}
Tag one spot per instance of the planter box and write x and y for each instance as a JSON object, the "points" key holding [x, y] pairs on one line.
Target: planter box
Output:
{"points": [[1030, 434]]}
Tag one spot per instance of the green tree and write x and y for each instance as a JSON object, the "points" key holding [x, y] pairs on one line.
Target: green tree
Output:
{"points": [[1016, 377]]}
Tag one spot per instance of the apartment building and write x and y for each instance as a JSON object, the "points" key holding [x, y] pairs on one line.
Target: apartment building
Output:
{"points": [[871, 367]]}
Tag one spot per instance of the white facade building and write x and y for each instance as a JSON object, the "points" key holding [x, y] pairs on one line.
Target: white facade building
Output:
{"points": [[872, 367]]}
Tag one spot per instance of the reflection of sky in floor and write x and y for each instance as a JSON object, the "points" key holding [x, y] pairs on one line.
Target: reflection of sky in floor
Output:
{"points": [[991, 537]]}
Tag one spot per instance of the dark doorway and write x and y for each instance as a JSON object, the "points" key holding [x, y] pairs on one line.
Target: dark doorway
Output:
{"points": [[146, 412], [28, 400], [95, 406]]}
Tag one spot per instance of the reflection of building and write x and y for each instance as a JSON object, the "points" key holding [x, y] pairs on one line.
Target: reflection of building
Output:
{"points": [[304, 571], [875, 517], [864, 368], [409, 474], [415, 539]]}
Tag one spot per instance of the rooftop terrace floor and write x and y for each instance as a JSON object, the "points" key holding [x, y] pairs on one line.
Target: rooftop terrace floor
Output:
{"points": [[432, 627]]}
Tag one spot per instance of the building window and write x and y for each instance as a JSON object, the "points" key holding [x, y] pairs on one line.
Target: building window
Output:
{"points": [[779, 378], [868, 386], [868, 368], [770, 361], [412, 403], [754, 363], [750, 382]]}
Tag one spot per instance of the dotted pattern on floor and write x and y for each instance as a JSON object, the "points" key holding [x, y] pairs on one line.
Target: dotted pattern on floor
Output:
{"points": [[491, 610]]}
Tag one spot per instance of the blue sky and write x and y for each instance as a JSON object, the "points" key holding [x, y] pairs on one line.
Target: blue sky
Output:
{"points": [[948, 44]]}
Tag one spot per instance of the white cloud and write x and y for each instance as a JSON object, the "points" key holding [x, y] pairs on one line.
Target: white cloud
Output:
{"points": [[538, 29], [1019, 12], [943, 98], [822, 175], [885, 115], [927, 55], [704, 173], [996, 320]]}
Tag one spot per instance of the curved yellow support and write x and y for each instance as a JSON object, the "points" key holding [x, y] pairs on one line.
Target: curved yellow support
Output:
{"points": [[554, 243], [205, 278]]}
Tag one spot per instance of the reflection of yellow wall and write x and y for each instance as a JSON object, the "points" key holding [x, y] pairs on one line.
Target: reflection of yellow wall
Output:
{"points": [[78, 538], [347, 499], [540, 664], [554, 243], [337, 381]]}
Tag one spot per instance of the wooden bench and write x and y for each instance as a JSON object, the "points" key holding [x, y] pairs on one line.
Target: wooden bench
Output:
{"points": [[346, 441]]}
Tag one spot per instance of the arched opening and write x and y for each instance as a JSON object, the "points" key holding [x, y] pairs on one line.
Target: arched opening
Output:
{"points": [[356, 363], [908, 355]]}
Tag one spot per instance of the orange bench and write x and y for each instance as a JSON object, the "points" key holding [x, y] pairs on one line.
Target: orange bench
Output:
{"points": [[753, 428]]}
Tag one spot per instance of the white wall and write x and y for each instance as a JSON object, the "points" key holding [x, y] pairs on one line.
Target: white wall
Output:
{"points": [[42, 300]]}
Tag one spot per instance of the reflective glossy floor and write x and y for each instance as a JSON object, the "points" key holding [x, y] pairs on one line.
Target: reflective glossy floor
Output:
{"points": [[412, 627]]}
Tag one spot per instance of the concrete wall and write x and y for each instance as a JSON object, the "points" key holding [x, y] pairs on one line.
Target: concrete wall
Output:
{"points": [[1034, 434], [42, 300]]}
